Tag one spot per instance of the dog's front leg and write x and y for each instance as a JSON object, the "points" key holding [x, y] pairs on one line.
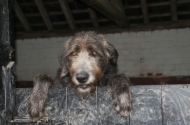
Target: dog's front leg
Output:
{"points": [[39, 96], [121, 94]]}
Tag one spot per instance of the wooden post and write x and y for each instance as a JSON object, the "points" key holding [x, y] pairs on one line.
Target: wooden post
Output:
{"points": [[6, 62]]}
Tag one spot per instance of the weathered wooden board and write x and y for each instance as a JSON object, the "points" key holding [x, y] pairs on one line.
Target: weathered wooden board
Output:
{"points": [[176, 104], [152, 105], [81, 112], [146, 101], [6, 62], [64, 107], [106, 114], [21, 106], [56, 109], [56, 106]]}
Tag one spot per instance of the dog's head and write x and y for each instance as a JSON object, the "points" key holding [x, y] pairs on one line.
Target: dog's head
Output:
{"points": [[85, 58]]}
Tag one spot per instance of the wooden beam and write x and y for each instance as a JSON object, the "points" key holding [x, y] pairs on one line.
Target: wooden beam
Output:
{"points": [[138, 6], [106, 8], [183, 1], [21, 17], [173, 10], [56, 13], [129, 17], [149, 5], [110, 29], [44, 14], [144, 11], [159, 15], [32, 14], [67, 12], [64, 22], [119, 5], [158, 4], [131, 7], [107, 20], [154, 80], [93, 17]]}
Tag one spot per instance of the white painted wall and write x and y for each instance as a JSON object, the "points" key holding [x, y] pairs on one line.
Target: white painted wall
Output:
{"points": [[141, 53]]}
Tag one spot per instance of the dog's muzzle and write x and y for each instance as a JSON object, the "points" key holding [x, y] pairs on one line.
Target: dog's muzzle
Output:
{"points": [[82, 78], [83, 88]]}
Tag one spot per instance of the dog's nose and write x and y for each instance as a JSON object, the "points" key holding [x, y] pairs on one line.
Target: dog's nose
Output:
{"points": [[82, 77]]}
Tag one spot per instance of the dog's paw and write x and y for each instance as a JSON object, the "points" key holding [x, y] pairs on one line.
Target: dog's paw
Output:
{"points": [[39, 96], [35, 108], [120, 94], [122, 103]]}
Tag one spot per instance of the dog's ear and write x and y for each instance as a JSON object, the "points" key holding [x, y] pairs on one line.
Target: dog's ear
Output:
{"points": [[111, 52], [63, 64]]}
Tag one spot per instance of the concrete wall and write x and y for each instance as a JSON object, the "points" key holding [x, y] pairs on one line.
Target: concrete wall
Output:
{"points": [[149, 53]]}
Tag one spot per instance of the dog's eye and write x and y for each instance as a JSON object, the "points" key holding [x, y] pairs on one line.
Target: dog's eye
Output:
{"points": [[73, 53], [94, 53]]}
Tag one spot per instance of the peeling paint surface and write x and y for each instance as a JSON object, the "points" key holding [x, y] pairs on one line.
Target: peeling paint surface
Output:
{"points": [[81, 112], [146, 101], [64, 107], [56, 109], [152, 105], [176, 105], [107, 115]]}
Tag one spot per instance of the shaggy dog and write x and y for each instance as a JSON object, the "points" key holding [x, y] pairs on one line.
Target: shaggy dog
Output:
{"points": [[86, 61]]}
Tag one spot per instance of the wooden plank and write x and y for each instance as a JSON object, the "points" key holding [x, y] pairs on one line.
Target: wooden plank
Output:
{"points": [[81, 112], [183, 1], [64, 107], [173, 10], [176, 104], [44, 14], [152, 105], [67, 12], [56, 106], [21, 106], [7, 77], [106, 8], [106, 114], [119, 5], [21, 16], [56, 13], [160, 3], [158, 80], [7, 70], [107, 20], [146, 101], [135, 28], [145, 11], [93, 17], [105, 110], [155, 4]]}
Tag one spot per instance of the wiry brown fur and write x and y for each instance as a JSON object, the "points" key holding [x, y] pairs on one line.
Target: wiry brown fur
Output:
{"points": [[86, 61], [39, 96]]}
